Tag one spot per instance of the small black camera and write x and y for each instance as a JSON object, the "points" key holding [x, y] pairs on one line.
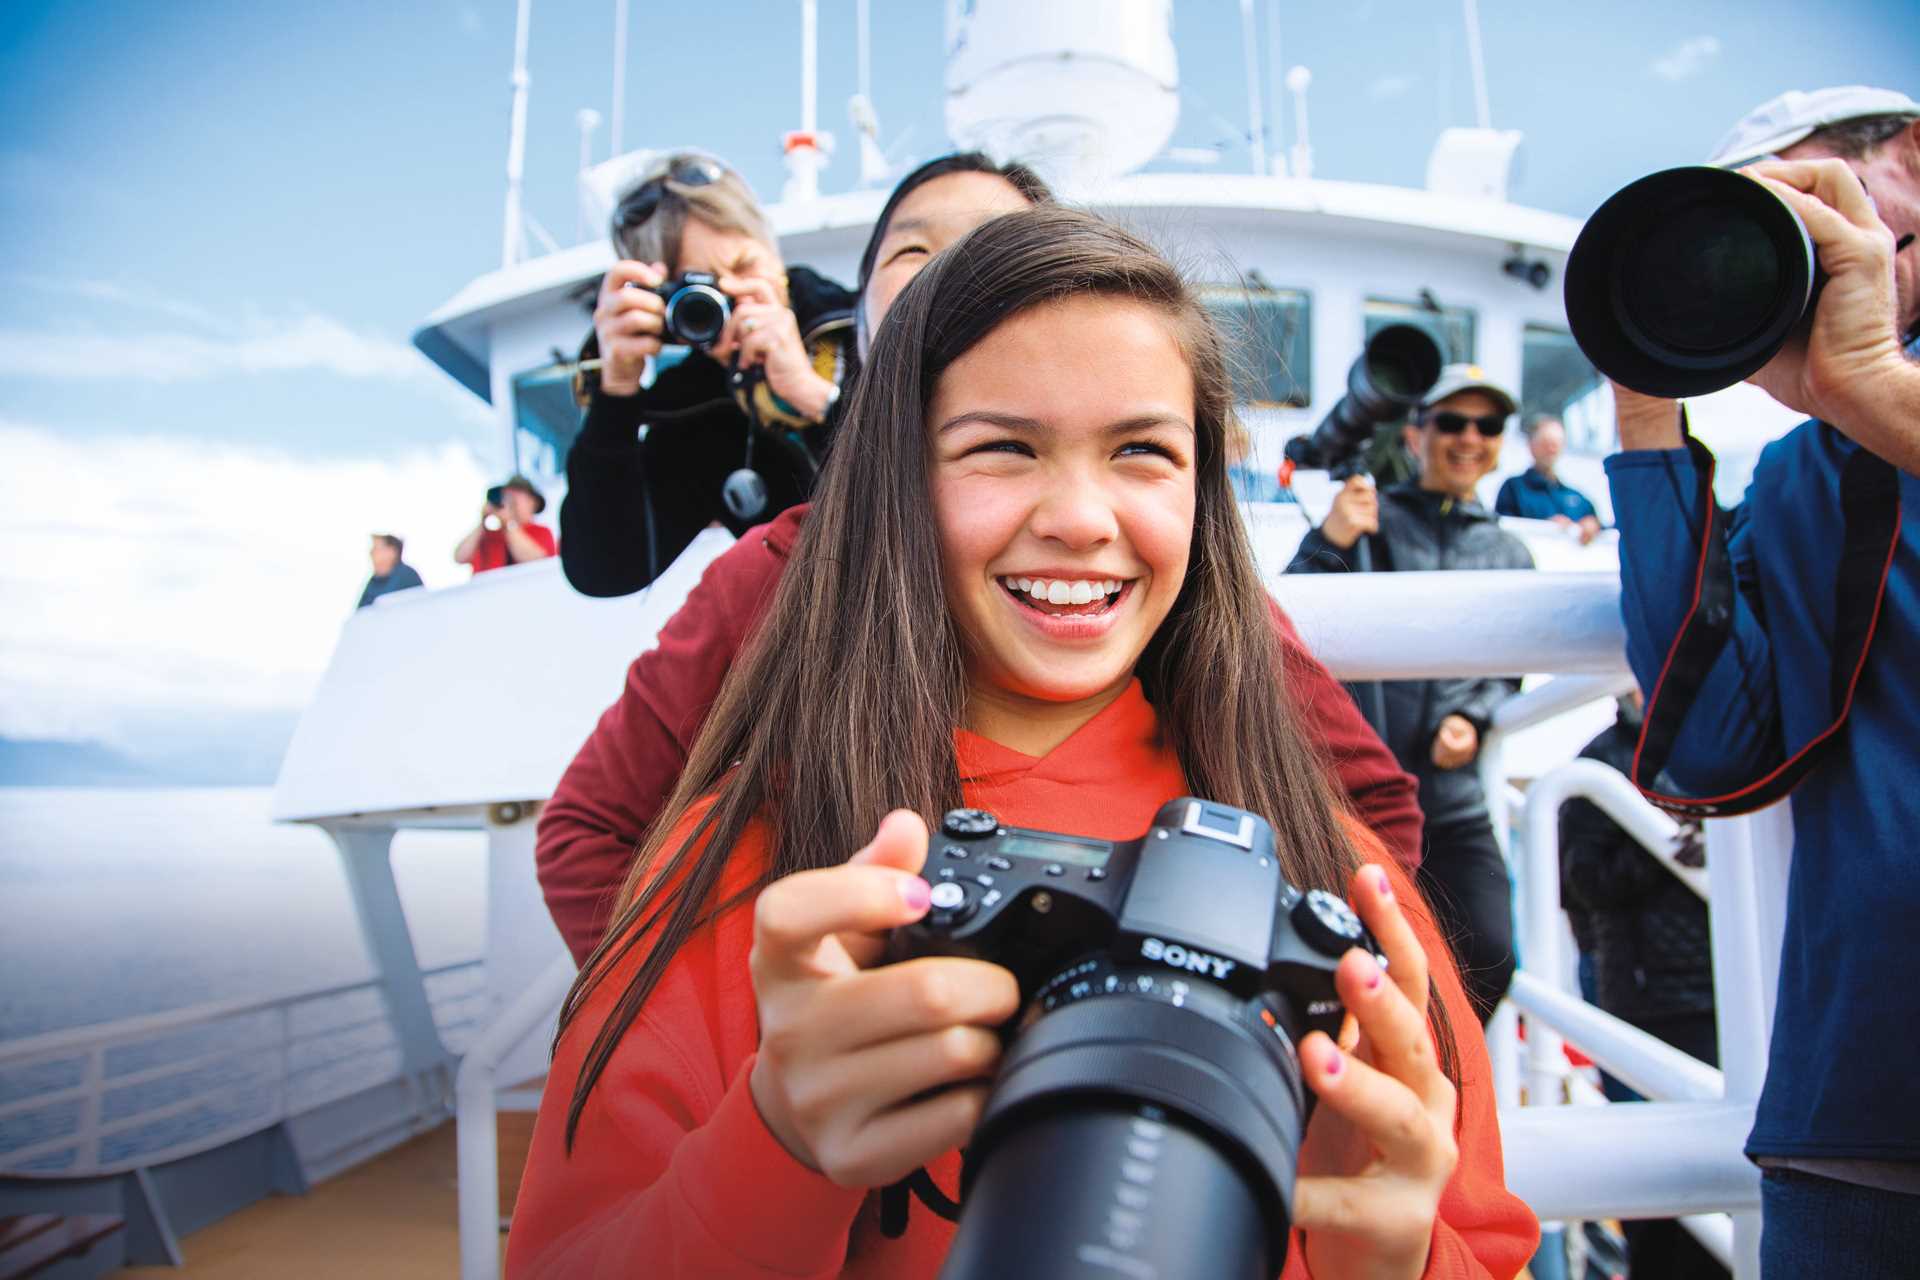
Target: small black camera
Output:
{"points": [[1148, 1113], [497, 496], [697, 309]]}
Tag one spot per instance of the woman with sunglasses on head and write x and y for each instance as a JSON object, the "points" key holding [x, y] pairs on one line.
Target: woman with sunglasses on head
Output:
{"points": [[736, 1073], [760, 398], [1434, 726], [616, 786]]}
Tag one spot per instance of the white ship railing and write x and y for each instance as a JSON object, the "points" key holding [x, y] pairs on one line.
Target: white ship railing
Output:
{"points": [[106, 1099]]}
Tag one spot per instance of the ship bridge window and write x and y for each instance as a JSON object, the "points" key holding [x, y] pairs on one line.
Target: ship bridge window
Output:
{"points": [[1269, 333], [1556, 379], [546, 420], [1452, 327]]}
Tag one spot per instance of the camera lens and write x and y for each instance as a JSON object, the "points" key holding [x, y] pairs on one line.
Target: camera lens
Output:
{"points": [[697, 314], [1687, 281], [1145, 1127]]}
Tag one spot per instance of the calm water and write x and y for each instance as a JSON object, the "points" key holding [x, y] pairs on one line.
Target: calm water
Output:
{"points": [[117, 903]]}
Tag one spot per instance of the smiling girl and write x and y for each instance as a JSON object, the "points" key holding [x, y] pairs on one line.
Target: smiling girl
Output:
{"points": [[1076, 635]]}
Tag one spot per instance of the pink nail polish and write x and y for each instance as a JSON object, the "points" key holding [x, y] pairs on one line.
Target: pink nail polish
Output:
{"points": [[1373, 981], [1383, 884], [915, 892], [1335, 1063]]}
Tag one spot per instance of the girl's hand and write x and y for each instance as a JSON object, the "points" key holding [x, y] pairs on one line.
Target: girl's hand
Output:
{"points": [[866, 1074], [1380, 1146], [628, 323], [764, 333]]}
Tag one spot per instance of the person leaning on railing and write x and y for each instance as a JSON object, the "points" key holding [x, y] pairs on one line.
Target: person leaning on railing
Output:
{"points": [[654, 454], [1816, 582], [1434, 726], [620, 780]]}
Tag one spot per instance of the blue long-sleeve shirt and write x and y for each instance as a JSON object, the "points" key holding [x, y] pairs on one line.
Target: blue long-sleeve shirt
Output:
{"points": [[1842, 1080]]}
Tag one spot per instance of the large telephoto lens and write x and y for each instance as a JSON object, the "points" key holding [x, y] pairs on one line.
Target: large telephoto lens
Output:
{"points": [[1688, 281], [1399, 365], [1152, 1132]]}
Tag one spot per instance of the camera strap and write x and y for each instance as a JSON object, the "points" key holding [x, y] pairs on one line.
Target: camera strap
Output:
{"points": [[1870, 502], [897, 1198]]}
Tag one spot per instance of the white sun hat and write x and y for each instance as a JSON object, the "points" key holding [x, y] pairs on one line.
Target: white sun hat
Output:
{"points": [[1780, 122]]}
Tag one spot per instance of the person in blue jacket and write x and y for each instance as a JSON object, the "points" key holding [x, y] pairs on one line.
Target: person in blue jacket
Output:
{"points": [[1537, 493], [1838, 1126]]}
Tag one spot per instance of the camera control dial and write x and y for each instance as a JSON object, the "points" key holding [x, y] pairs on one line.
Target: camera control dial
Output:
{"points": [[1326, 923], [969, 824]]}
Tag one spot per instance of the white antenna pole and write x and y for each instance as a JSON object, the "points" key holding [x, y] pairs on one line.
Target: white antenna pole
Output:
{"points": [[864, 44], [1479, 64], [1297, 80], [619, 76], [517, 138], [1256, 113], [809, 63], [1274, 96]]}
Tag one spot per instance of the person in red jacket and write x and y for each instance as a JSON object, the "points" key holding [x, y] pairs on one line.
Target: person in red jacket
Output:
{"points": [[610, 795], [1026, 587]]}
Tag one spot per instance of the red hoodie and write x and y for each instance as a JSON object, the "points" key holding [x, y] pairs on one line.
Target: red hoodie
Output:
{"points": [[673, 1173], [591, 828]]}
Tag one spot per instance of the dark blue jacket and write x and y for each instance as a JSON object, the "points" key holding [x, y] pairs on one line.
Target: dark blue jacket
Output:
{"points": [[1535, 497], [1842, 1080]]}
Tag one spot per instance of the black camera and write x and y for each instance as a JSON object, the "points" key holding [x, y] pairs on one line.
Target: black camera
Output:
{"points": [[1148, 1113], [1397, 368], [1689, 280], [497, 496], [697, 309]]}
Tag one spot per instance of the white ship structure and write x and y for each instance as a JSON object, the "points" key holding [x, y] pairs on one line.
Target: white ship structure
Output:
{"points": [[168, 1123]]}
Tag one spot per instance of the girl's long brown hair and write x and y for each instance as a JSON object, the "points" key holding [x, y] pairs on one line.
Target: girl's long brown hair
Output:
{"points": [[843, 704]]}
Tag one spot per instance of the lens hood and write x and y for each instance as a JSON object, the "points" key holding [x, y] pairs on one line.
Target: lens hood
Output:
{"points": [[1688, 280]]}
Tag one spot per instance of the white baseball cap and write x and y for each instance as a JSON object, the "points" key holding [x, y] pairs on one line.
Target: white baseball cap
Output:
{"points": [[1456, 378], [1780, 122]]}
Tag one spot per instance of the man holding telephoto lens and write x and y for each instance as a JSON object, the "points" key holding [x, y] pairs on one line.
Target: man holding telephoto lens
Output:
{"points": [[1779, 647]]}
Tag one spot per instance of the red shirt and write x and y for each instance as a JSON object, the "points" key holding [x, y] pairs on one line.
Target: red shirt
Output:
{"points": [[492, 551], [673, 1172]]}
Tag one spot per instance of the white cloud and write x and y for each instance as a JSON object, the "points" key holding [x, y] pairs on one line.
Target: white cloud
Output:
{"points": [[149, 573], [1389, 87], [1686, 59], [310, 342]]}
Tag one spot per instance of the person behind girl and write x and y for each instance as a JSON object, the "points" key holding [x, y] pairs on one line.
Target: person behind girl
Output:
{"points": [[735, 1072], [612, 792], [636, 499]]}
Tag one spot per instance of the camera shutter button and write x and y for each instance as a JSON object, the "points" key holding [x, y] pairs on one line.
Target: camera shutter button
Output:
{"points": [[950, 903], [1326, 923]]}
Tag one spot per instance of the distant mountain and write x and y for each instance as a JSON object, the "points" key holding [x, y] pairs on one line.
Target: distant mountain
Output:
{"points": [[175, 749], [48, 762]]}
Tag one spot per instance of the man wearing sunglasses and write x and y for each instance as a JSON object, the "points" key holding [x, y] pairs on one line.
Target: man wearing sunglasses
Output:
{"points": [[1433, 726]]}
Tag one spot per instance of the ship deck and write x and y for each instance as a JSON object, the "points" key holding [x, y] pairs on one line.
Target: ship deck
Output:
{"points": [[395, 1215]]}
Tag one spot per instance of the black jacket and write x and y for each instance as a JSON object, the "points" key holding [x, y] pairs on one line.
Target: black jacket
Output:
{"points": [[635, 501], [1420, 530], [1647, 932]]}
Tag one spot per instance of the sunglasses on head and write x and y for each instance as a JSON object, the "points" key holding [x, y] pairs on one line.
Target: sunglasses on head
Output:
{"points": [[1452, 424], [688, 171]]}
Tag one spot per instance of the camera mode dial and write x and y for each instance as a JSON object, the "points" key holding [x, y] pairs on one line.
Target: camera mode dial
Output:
{"points": [[969, 824], [1326, 923]]}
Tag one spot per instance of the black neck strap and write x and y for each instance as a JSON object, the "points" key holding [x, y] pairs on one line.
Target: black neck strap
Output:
{"points": [[1870, 502]]}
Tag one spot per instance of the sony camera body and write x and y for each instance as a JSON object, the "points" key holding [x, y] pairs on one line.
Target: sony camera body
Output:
{"points": [[1165, 983], [697, 309]]}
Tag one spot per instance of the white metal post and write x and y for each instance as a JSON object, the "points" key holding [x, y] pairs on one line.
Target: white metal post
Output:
{"points": [[517, 138]]}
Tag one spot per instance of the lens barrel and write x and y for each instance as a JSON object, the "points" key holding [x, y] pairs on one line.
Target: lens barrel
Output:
{"points": [[1154, 1131], [1688, 280], [696, 315], [1399, 365]]}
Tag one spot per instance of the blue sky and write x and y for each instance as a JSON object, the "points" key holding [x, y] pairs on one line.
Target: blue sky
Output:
{"points": [[224, 219]]}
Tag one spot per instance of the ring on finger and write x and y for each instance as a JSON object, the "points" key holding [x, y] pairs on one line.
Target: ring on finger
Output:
{"points": [[748, 326]]}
